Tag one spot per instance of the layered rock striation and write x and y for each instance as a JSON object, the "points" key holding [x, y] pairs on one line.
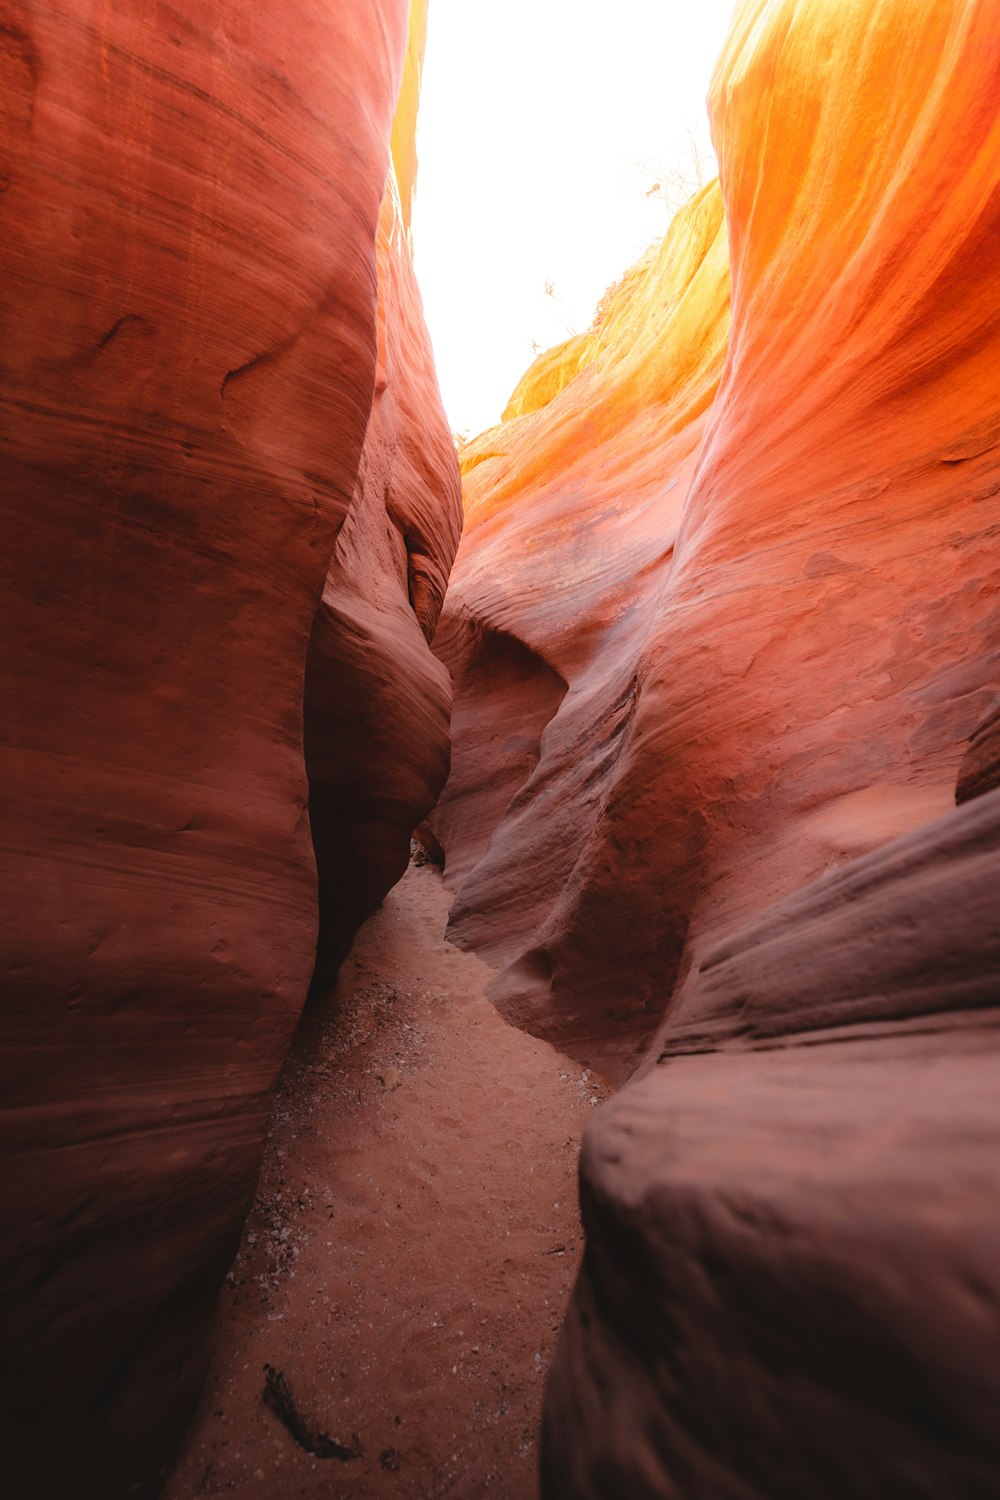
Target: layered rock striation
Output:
{"points": [[760, 584], [377, 702], [572, 512], [755, 586], [203, 284], [790, 1286]]}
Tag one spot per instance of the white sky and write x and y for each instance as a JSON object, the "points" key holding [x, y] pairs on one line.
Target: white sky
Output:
{"points": [[542, 125]]}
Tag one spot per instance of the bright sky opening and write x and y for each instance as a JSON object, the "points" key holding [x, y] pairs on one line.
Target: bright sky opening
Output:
{"points": [[556, 139]]}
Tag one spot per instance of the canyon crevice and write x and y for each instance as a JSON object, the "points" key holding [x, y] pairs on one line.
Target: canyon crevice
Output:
{"points": [[702, 714]]}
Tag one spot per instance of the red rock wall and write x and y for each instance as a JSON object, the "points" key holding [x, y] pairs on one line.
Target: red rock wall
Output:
{"points": [[572, 509], [377, 702], [191, 201], [791, 1280], [773, 600], [980, 768], [738, 857]]}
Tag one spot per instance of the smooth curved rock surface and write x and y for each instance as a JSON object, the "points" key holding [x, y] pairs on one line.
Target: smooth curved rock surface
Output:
{"points": [[191, 198], [792, 1279], [737, 859], [377, 702], [572, 510], [771, 590]]}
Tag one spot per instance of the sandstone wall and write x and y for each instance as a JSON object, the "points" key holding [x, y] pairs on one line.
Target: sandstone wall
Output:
{"points": [[378, 702], [190, 337], [769, 604], [766, 582], [572, 511]]}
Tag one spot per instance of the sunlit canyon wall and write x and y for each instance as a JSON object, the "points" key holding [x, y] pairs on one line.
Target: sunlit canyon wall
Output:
{"points": [[725, 633], [207, 304]]}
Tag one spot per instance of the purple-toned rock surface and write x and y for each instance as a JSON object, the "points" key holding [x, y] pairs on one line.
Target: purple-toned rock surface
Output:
{"points": [[792, 1273]]}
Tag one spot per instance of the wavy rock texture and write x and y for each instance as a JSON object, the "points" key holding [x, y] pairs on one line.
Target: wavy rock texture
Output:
{"points": [[572, 510], [192, 203], [775, 612], [728, 847], [792, 1279], [377, 702], [980, 768]]}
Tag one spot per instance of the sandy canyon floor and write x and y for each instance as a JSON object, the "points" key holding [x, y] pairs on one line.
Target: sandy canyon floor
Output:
{"points": [[403, 1273]]}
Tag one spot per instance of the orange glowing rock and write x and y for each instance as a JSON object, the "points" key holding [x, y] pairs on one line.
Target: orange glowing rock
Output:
{"points": [[730, 846], [765, 607]]}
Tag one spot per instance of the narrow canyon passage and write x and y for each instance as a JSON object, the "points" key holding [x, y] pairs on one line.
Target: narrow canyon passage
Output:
{"points": [[412, 1245], [687, 664]]}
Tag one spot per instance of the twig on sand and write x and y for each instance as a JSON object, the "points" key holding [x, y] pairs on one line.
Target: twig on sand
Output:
{"points": [[277, 1394]]}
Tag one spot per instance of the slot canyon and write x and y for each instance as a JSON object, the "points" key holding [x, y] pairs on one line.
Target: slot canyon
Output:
{"points": [[502, 933]]}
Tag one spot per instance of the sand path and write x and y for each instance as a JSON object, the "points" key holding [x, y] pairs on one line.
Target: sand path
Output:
{"points": [[412, 1245]]}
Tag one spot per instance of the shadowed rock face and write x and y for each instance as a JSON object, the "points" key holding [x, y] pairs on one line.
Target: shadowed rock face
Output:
{"points": [[191, 199], [769, 578], [572, 510], [980, 768], [377, 702], [792, 1275]]}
